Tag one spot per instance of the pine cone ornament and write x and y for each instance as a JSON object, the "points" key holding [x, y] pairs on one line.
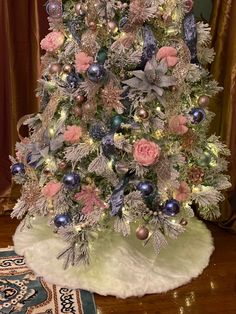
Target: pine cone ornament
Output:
{"points": [[196, 175], [189, 140]]}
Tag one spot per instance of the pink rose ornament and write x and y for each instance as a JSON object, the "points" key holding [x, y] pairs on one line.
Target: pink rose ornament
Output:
{"points": [[169, 55], [177, 125], [146, 153], [53, 41]]}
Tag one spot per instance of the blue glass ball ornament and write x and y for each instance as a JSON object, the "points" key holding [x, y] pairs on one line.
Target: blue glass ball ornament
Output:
{"points": [[96, 72], [198, 115], [146, 188], [171, 208], [71, 180], [62, 220], [117, 121], [18, 168]]}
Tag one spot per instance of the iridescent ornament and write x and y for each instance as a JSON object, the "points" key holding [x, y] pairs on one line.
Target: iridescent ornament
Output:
{"points": [[78, 111], [54, 8], [146, 188], [142, 233], [142, 113], [62, 165], [198, 114], [67, 68], [96, 72], [71, 180], [55, 68], [183, 222], [203, 100], [62, 220], [80, 99], [18, 169], [112, 26], [80, 9], [171, 207]]}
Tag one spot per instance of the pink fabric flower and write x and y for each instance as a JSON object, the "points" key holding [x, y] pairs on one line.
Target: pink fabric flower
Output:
{"points": [[83, 62], [53, 41], [73, 134], [169, 55], [51, 189], [183, 192], [177, 125], [146, 153], [89, 197]]}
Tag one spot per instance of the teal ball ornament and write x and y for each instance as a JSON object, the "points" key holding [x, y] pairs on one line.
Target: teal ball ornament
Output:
{"points": [[205, 159], [117, 121], [102, 56]]}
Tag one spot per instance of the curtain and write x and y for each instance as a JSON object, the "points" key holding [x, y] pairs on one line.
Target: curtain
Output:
{"points": [[22, 24], [224, 105]]}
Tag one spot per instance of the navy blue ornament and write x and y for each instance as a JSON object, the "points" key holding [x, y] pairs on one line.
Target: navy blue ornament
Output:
{"points": [[96, 72], [74, 79], [117, 121], [62, 220], [171, 208], [18, 168], [146, 188], [198, 115], [71, 180], [97, 131]]}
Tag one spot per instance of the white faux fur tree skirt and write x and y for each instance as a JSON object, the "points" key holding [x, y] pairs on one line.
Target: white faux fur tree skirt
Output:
{"points": [[119, 266]]}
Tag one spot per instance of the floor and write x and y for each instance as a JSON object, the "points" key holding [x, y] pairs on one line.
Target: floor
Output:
{"points": [[213, 292]]}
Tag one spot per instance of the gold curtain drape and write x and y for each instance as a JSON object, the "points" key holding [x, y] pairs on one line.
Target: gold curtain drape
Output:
{"points": [[22, 23], [224, 105]]}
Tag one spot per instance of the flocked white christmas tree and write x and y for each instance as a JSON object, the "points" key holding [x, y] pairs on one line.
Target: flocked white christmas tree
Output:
{"points": [[120, 142]]}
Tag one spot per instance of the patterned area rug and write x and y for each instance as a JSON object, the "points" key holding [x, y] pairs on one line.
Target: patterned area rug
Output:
{"points": [[21, 292]]}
